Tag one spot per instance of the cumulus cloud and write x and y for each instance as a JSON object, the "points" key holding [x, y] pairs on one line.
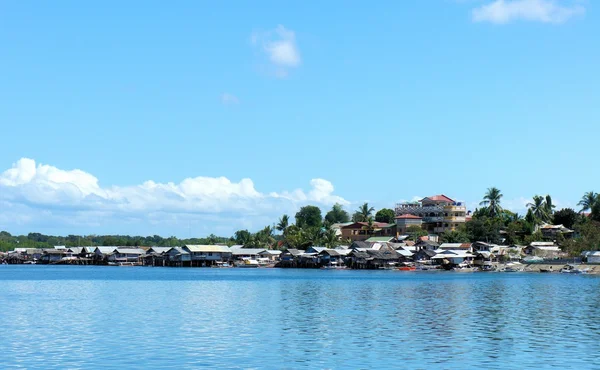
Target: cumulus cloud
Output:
{"points": [[29, 188], [546, 11], [280, 48], [229, 99]]}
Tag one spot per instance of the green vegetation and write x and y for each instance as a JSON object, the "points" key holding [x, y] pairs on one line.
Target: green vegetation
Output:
{"points": [[309, 216], [37, 240], [490, 223], [337, 215], [363, 213], [385, 215]]}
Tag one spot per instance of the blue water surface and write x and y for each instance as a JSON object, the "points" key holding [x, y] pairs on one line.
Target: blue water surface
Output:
{"points": [[88, 317]]}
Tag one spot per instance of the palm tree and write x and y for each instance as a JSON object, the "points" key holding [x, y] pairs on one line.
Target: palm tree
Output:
{"points": [[539, 208], [549, 206], [491, 200], [364, 212], [588, 200], [370, 226], [330, 239], [283, 224]]}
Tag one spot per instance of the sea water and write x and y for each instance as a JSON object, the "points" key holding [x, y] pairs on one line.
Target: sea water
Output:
{"points": [[89, 317]]}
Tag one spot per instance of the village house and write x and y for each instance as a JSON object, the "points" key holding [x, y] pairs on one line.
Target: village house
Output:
{"points": [[177, 256], [453, 257], [423, 255], [207, 255], [126, 255], [270, 254], [332, 258], [374, 259], [551, 232], [438, 213], [53, 255], [427, 245], [238, 252], [591, 256], [542, 249], [360, 231], [455, 246], [482, 246], [156, 256], [404, 221]]}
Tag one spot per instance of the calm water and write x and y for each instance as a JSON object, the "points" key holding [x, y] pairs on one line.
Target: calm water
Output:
{"points": [[114, 317]]}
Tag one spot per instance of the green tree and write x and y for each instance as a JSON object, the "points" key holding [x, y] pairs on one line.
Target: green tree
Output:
{"points": [[596, 211], [415, 232], [491, 200], [566, 217], [363, 213], [539, 209], [283, 224], [242, 237], [484, 229], [330, 239], [549, 206], [385, 215], [454, 236], [309, 216], [337, 214], [588, 200]]}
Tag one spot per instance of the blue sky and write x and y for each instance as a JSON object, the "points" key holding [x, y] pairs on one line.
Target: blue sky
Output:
{"points": [[199, 117]]}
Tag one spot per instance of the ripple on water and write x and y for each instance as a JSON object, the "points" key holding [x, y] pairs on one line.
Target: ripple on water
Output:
{"points": [[93, 317]]}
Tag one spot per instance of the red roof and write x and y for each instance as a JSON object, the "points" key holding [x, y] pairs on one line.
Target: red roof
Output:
{"points": [[409, 216], [361, 224], [440, 197]]}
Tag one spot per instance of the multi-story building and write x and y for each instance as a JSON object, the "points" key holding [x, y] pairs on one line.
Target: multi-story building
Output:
{"points": [[439, 213]]}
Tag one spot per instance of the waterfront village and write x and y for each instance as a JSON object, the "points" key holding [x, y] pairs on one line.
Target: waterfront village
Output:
{"points": [[368, 245]]}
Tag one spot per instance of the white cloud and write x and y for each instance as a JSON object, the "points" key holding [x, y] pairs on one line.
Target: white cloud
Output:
{"points": [[546, 11], [280, 48], [229, 99], [75, 197]]}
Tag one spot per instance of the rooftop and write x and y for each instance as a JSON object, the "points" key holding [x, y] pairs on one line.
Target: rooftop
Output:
{"points": [[409, 216]]}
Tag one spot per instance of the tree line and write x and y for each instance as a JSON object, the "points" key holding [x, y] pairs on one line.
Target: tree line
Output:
{"points": [[491, 223], [494, 224]]}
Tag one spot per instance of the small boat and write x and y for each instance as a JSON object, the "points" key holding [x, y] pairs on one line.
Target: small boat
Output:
{"points": [[248, 263], [545, 270], [222, 265], [512, 267], [571, 269]]}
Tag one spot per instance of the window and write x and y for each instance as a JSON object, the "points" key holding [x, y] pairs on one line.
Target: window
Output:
{"points": [[445, 225], [210, 253]]}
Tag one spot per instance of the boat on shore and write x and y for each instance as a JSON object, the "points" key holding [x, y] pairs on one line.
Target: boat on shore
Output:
{"points": [[247, 263], [512, 267], [571, 269]]}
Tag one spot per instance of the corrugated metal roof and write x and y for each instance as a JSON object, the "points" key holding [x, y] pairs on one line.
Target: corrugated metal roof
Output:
{"points": [[379, 239], [247, 251], [130, 251], [105, 250], [208, 248], [158, 250], [271, 252]]}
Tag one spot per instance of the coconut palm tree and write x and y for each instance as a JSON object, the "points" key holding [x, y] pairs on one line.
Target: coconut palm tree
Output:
{"points": [[283, 224], [330, 239], [539, 208], [549, 206], [364, 212], [370, 226], [588, 200], [491, 200]]}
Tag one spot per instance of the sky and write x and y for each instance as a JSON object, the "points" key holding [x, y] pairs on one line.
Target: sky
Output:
{"points": [[189, 118]]}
